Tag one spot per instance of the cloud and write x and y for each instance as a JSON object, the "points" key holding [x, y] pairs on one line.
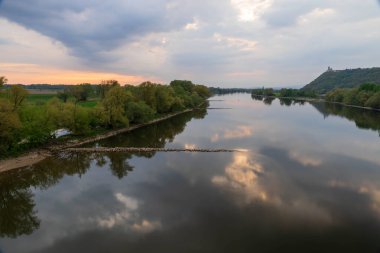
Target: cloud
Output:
{"points": [[242, 176], [239, 132], [250, 10], [286, 13], [127, 216], [217, 42], [90, 27]]}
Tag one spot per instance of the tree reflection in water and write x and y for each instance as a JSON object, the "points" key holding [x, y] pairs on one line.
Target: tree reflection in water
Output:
{"points": [[18, 215], [363, 118]]}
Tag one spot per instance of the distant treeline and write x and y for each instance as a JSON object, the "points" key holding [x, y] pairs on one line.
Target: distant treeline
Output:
{"points": [[221, 91], [25, 124], [367, 95], [287, 93], [54, 87]]}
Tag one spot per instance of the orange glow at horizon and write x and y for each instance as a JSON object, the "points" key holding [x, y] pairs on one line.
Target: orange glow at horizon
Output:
{"points": [[17, 73]]}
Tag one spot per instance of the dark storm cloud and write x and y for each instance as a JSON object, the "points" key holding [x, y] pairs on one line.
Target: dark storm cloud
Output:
{"points": [[90, 27]]}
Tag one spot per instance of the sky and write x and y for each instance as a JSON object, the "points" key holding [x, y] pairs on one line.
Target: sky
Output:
{"points": [[225, 43]]}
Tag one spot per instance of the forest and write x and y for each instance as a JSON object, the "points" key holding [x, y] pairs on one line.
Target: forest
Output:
{"points": [[367, 95], [87, 109]]}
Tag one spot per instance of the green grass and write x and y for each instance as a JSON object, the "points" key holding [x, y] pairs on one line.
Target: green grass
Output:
{"points": [[39, 98], [33, 98]]}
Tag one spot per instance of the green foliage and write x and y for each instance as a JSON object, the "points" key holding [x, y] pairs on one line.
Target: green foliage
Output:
{"points": [[187, 86], [105, 86], [202, 91], [139, 112], [349, 97], [287, 93], [365, 95], [9, 124], [294, 93], [268, 92], [114, 107], [63, 95], [336, 95], [164, 98], [36, 126], [89, 103], [30, 124], [374, 101], [147, 93], [221, 91], [39, 99], [80, 92], [348, 78], [17, 95]]}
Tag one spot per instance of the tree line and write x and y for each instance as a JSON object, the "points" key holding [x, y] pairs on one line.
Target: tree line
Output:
{"points": [[27, 125], [284, 92], [222, 91], [367, 95]]}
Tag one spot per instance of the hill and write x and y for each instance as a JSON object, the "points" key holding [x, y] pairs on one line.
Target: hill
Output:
{"points": [[348, 78]]}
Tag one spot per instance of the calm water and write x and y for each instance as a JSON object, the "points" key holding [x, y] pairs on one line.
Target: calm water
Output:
{"points": [[309, 182]]}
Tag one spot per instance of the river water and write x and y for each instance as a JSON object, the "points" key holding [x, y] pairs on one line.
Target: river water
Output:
{"points": [[308, 180]]}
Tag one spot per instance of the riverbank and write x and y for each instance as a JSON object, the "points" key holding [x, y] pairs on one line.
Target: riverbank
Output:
{"points": [[39, 155], [320, 100], [28, 159]]}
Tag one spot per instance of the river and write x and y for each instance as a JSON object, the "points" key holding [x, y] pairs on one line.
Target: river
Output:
{"points": [[308, 180]]}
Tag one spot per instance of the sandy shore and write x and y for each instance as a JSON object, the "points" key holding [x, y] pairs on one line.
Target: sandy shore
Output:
{"points": [[24, 160]]}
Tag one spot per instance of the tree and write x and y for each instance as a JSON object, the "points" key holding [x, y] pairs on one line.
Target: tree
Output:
{"points": [[268, 92], [63, 95], [184, 84], [114, 106], [17, 96], [9, 124], [374, 101], [3, 81], [80, 92], [139, 112], [36, 126], [164, 99], [202, 91], [105, 86], [147, 93]]}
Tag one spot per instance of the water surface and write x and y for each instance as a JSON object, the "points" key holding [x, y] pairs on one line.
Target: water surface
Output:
{"points": [[309, 181]]}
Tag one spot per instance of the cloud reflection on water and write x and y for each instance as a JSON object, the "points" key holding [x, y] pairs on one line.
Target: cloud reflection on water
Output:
{"points": [[241, 131]]}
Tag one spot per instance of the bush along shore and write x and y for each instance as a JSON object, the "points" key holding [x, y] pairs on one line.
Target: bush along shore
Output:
{"points": [[39, 154], [89, 110], [366, 96]]}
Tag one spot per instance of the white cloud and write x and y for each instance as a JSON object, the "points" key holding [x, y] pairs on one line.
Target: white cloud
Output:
{"points": [[250, 10], [192, 26], [318, 14], [241, 131], [128, 217], [239, 43]]}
